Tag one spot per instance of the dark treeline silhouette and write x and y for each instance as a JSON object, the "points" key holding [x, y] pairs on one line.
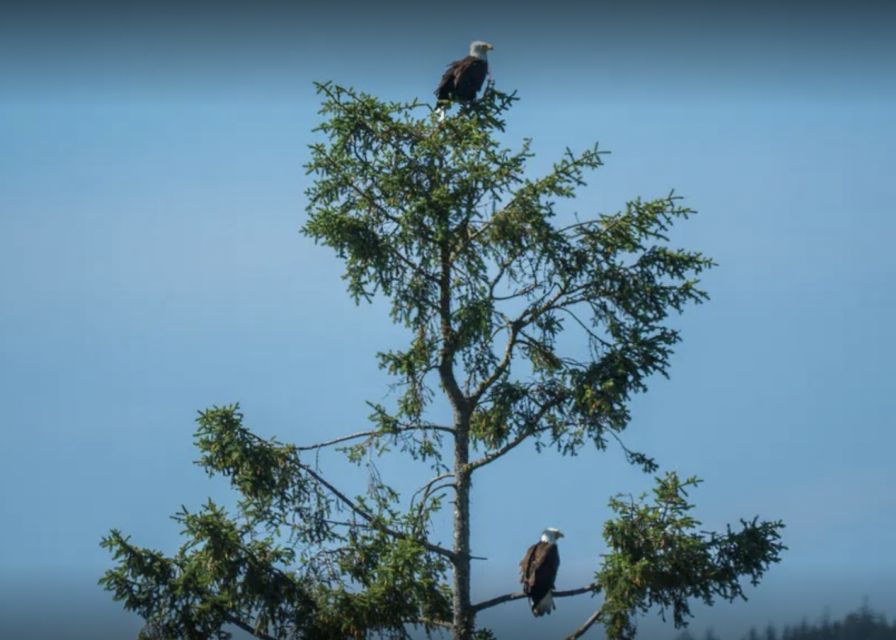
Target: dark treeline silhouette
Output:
{"points": [[862, 624]]}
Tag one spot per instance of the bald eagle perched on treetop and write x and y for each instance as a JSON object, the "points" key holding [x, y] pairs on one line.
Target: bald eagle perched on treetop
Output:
{"points": [[538, 569], [464, 77]]}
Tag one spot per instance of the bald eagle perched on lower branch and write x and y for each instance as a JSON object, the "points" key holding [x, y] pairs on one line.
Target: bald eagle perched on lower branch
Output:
{"points": [[463, 78], [538, 570]]}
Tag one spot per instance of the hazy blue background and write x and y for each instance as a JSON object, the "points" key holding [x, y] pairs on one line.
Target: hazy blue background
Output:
{"points": [[151, 188]]}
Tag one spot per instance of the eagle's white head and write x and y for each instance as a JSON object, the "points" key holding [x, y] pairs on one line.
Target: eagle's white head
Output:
{"points": [[551, 535], [480, 49]]}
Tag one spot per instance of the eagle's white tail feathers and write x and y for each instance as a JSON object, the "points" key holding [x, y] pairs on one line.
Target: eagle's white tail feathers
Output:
{"points": [[546, 605]]}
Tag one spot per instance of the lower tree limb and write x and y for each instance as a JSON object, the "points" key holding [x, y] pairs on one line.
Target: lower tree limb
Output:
{"points": [[508, 597]]}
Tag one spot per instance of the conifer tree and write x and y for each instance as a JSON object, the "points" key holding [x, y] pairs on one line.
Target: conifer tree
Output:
{"points": [[472, 253]]}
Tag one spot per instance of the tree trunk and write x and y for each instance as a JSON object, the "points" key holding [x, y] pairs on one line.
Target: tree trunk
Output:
{"points": [[462, 612], [462, 609]]}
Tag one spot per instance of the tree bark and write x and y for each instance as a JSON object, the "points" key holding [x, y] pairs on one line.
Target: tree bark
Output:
{"points": [[463, 609]]}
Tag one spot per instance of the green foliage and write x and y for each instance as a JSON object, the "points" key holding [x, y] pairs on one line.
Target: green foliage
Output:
{"points": [[411, 204], [483, 270], [219, 577], [659, 558], [232, 571]]}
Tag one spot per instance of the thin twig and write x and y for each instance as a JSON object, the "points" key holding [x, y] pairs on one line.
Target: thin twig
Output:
{"points": [[501, 369], [375, 433], [358, 510], [429, 488], [371, 519], [529, 430]]}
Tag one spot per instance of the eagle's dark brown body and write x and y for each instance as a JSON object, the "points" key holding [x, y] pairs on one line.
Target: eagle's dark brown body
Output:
{"points": [[463, 79], [538, 569]]}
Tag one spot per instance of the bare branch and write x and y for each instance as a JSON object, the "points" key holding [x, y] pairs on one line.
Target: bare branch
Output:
{"points": [[591, 588], [518, 293], [578, 633], [429, 488], [373, 434], [530, 429], [508, 597], [372, 519], [329, 443], [585, 328], [514, 330], [497, 453], [425, 488]]}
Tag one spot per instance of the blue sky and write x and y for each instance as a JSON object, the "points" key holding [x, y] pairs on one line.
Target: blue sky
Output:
{"points": [[151, 189]]}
